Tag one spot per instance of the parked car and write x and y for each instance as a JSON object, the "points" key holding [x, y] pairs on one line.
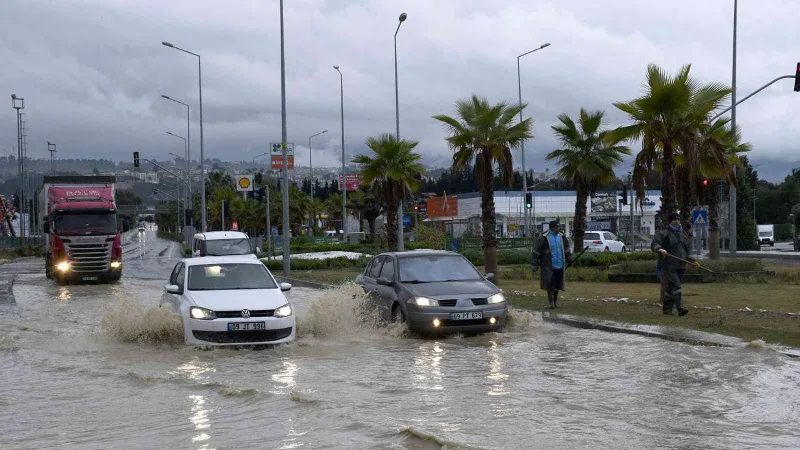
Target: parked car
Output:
{"points": [[229, 300], [434, 292], [603, 241]]}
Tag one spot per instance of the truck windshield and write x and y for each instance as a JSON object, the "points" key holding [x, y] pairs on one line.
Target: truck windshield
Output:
{"points": [[85, 223]]}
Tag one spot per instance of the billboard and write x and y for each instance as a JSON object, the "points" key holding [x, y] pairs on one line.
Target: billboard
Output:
{"points": [[276, 155], [604, 202], [353, 181], [445, 206], [244, 183]]}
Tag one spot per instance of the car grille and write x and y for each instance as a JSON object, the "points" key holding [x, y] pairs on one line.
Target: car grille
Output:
{"points": [[241, 337], [238, 314], [480, 301], [449, 303], [89, 257], [464, 323]]}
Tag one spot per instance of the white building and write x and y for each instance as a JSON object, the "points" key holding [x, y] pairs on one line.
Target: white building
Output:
{"points": [[604, 212]]}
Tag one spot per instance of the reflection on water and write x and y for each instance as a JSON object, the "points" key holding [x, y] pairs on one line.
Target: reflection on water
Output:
{"points": [[286, 377], [427, 372], [496, 375], [199, 419], [63, 294]]}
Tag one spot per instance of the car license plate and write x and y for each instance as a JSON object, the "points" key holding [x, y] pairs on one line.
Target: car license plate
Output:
{"points": [[89, 279], [246, 326], [466, 316]]}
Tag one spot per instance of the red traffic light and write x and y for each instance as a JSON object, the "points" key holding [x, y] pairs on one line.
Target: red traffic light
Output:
{"points": [[416, 207], [705, 182]]}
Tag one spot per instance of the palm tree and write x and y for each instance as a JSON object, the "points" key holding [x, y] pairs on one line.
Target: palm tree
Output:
{"points": [[392, 172], [485, 134], [586, 159], [668, 117]]}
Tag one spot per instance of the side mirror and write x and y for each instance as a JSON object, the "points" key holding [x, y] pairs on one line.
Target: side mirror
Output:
{"points": [[286, 287], [126, 226], [46, 227], [172, 289], [490, 277], [384, 281]]}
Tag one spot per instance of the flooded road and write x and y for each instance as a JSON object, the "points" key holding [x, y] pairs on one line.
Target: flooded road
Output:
{"points": [[99, 366]]}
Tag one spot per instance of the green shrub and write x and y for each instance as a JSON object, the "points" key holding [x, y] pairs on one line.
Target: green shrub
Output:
{"points": [[177, 237], [783, 232], [20, 252], [319, 264]]}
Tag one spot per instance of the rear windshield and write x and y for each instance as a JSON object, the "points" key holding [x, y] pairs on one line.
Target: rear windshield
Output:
{"points": [[591, 237]]}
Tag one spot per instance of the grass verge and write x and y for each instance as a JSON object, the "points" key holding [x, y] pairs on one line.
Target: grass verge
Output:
{"points": [[715, 308]]}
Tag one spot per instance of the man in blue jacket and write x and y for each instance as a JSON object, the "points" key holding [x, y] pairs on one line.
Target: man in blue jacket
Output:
{"points": [[673, 241], [552, 253]]}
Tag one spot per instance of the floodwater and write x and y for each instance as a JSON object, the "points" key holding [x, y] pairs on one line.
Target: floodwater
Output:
{"points": [[100, 366]]}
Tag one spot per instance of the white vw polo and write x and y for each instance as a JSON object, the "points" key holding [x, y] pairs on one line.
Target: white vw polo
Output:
{"points": [[229, 300]]}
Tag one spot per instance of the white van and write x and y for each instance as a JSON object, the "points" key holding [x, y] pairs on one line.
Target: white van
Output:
{"points": [[222, 243], [766, 235]]}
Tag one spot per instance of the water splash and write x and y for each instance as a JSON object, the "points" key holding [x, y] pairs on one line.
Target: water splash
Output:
{"points": [[299, 397], [421, 439], [339, 312], [520, 320], [129, 321]]}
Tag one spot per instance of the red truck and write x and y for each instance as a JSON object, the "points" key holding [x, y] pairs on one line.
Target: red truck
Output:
{"points": [[83, 233]]}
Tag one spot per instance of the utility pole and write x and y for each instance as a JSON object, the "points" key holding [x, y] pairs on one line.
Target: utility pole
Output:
{"points": [[269, 231], [18, 103], [732, 196]]}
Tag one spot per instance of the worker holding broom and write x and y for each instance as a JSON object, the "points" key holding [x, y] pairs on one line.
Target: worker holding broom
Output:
{"points": [[672, 246]]}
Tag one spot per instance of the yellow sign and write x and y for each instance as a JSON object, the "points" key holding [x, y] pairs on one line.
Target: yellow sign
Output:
{"points": [[244, 183]]}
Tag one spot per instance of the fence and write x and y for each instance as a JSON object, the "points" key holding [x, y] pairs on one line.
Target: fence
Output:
{"points": [[476, 244], [13, 242]]}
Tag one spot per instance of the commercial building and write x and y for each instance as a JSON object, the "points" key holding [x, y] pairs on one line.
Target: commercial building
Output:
{"points": [[460, 216]]}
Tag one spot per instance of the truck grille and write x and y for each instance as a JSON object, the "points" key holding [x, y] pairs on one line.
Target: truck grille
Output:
{"points": [[89, 257]]}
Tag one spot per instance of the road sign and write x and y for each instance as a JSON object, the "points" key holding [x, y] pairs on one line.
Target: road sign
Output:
{"points": [[353, 181], [244, 183], [406, 221], [276, 155], [700, 217]]}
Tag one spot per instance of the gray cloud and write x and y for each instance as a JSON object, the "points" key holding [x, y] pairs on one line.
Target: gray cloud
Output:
{"points": [[92, 72]]}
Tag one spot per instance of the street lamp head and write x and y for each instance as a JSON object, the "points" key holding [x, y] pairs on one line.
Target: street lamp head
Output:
{"points": [[13, 96], [166, 44], [545, 45], [324, 132], [336, 67], [164, 96], [403, 17]]}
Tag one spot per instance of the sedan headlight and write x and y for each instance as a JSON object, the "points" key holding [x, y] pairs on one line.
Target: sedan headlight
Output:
{"points": [[202, 313], [283, 311], [423, 301], [496, 298]]}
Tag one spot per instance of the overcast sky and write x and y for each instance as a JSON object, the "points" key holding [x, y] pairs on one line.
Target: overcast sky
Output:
{"points": [[92, 72]]}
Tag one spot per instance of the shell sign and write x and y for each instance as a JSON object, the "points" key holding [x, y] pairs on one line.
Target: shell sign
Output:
{"points": [[244, 183]]}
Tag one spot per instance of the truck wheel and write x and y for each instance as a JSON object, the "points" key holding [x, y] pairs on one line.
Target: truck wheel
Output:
{"points": [[114, 278], [48, 268]]}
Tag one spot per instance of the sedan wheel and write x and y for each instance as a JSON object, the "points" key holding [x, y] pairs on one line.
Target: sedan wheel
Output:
{"points": [[398, 316]]}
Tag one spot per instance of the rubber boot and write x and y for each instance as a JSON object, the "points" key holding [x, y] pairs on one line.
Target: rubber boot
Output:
{"points": [[555, 298], [550, 299]]}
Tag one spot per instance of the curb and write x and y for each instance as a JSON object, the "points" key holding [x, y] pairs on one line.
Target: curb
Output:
{"points": [[594, 324]]}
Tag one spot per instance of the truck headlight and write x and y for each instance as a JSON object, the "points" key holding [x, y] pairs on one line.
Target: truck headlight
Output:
{"points": [[116, 264], [423, 301], [202, 313], [63, 266], [496, 298], [283, 311]]}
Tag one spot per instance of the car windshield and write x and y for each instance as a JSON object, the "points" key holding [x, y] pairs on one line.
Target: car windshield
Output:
{"points": [[85, 223], [765, 234], [437, 268], [217, 277], [225, 247], [591, 237]]}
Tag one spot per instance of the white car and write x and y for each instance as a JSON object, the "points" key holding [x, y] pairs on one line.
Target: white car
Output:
{"points": [[602, 241], [229, 300], [222, 243]]}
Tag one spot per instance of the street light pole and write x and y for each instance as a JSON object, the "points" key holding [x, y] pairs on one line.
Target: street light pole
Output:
{"points": [[188, 198], [286, 231], [18, 103], [189, 205], [310, 167], [202, 153], [400, 235], [344, 170], [522, 144], [732, 196]]}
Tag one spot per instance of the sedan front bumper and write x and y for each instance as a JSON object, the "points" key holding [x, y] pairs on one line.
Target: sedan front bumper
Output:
{"points": [[215, 332], [423, 319]]}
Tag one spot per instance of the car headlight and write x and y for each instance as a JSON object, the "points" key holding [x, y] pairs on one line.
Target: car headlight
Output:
{"points": [[423, 301], [202, 313], [283, 311], [496, 298]]}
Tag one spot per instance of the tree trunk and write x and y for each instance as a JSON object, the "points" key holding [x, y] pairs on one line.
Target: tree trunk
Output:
{"points": [[713, 225], [488, 219], [579, 222], [371, 225], [669, 200], [391, 227]]}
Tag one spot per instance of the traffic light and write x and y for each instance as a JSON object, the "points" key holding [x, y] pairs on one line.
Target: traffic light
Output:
{"points": [[623, 197], [705, 182], [260, 194], [188, 215], [528, 200], [797, 78], [135, 159], [416, 208]]}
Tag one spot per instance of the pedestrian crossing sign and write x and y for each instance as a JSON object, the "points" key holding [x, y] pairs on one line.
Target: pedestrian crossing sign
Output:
{"points": [[700, 217]]}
